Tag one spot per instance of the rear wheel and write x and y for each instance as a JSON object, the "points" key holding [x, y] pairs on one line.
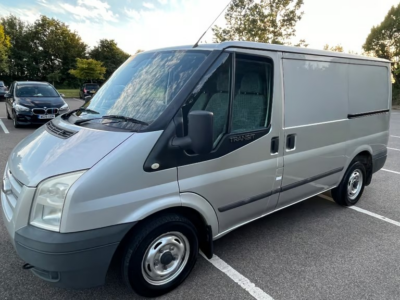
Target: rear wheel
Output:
{"points": [[352, 185], [160, 255]]}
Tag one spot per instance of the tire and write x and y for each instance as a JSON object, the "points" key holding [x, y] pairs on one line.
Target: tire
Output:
{"points": [[168, 234], [8, 115], [352, 185], [15, 122]]}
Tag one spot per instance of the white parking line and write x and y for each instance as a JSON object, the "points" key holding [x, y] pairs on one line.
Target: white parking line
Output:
{"points": [[238, 278], [4, 127], [393, 149], [395, 136], [364, 211], [395, 172]]}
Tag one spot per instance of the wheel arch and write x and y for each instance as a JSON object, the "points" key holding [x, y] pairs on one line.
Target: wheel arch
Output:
{"points": [[196, 209], [364, 155]]}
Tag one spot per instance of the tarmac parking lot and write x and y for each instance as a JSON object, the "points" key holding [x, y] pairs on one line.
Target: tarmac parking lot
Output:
{"points": [[312, 250]]}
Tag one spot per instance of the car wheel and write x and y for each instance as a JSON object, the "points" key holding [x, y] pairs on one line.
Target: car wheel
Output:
{"points": [[352, 185], [15, 122], [159, 255], [8, 115]]}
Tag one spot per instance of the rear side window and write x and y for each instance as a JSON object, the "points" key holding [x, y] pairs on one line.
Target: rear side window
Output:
{"points": [[253, 92]]}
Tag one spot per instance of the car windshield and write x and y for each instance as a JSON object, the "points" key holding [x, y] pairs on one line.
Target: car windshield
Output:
{"points": [[35, 90], [91, 86], [146, 84], [1, 83]]}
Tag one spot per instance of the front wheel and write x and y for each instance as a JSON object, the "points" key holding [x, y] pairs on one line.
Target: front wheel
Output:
{"points": [[160, 254], [15, 122], [352, 185], [8, 115]]}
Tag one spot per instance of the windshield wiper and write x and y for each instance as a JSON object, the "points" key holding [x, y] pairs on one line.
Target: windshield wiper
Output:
{"points": [[113, 117], [81, 109]]}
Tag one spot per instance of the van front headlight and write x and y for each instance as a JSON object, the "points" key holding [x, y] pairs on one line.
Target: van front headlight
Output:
{"points": [[49, 201]]}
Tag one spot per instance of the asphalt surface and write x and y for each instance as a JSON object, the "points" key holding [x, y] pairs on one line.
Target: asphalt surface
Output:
{"points": [[312, 250]]}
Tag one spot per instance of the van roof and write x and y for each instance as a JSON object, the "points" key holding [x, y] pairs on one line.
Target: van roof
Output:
{"points": [[274, 47]]}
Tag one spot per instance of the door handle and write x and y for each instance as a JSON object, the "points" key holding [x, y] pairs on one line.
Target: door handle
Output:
{"points": [[275, 145], [290, 141]]}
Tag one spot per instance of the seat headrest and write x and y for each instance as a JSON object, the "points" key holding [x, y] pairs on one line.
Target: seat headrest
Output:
{"points": [[223, 83], [251, 83]]}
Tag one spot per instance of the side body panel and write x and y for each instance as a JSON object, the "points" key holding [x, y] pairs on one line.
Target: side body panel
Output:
{"points": [[316, 109], [321, 116], [370, 90], [246, 175]]}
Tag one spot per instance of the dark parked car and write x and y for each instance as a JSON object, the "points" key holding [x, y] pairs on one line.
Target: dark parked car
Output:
{"points": [[29, 102], [88, 89], [3, 89]]}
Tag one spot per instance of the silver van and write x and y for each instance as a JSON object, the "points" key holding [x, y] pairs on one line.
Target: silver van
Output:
{"points": [[183, 145]]}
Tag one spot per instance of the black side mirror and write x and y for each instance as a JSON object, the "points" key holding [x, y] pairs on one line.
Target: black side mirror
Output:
{"points": [[200, 133], [7, 95]]}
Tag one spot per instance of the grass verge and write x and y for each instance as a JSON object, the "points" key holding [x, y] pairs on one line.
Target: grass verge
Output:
{"points": [[70, 93]]}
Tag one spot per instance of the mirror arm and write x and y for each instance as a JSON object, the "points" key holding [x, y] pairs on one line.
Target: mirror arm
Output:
{"points": [[181, 142]]}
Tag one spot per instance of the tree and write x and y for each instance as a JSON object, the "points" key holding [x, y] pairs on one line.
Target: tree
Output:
{"points": [[384, 41], [88, 69], [20, 60], [54, 77], [337, 48], [56, 47], [109, 54], [265, 21], [4, 49]]}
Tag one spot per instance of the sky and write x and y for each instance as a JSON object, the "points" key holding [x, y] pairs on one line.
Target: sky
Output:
{"points": [[151, 24]]}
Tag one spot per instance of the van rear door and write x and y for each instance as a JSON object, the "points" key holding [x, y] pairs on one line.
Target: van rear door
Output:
{"points": [[241, 176]]}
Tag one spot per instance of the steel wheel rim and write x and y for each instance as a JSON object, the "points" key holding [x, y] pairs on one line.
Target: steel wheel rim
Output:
{"points": [[355, 184], [165, 258]]}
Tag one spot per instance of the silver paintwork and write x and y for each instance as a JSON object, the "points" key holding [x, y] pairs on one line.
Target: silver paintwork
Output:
{"points": [[286, 50], [355, 184], [221, 234], [202, 206], [42, 155], [173, 244]]}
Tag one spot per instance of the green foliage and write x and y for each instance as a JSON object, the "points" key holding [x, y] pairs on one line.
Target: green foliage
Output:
{"points": [[88, 69], [20, 64], [265, 21], [45, 47], [384, 41], [55, 76], [337, 48], [109, 54], [4, 50]]}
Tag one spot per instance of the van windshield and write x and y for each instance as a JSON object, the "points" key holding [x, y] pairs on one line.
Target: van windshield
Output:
{"points": [[145, 85]]}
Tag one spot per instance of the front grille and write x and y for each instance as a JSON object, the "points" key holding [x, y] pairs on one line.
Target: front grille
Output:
{"points": [[59, 132], [11, 190], [45, 111]]}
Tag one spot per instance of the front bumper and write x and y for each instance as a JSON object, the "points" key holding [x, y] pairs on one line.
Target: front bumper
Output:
{"points": [[27, 118], [72, 260]]}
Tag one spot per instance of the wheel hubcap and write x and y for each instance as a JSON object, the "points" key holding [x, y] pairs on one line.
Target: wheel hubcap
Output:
{"points": [[355, 184], [165, 258]]}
